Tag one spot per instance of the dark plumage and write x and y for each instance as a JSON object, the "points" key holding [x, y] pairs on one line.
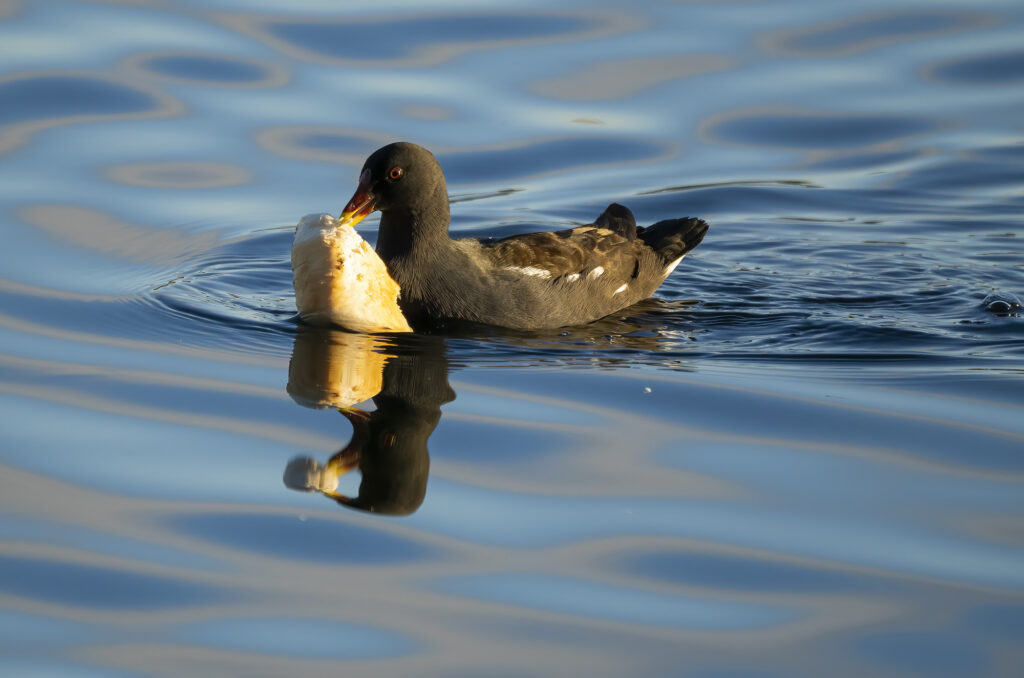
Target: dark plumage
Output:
{"points": [[390, 443], [530, 281]]}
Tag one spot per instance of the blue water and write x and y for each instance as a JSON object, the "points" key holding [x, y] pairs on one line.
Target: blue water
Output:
{"points": [[803, 457]]}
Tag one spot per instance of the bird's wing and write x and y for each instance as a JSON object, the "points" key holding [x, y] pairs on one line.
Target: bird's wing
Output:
{"points": [[606, 247], [579, 251]]}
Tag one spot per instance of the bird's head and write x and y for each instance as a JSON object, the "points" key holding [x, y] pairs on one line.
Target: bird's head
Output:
{"points": [[401, 179]]}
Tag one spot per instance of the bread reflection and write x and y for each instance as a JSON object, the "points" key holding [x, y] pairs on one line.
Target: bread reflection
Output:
{"points": [[334, 369], [408, 384]]}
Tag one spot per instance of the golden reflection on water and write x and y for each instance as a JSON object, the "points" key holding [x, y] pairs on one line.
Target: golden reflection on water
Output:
{"points": [[322, 143], [90, 229], [422, 50], [179, 175], [269, 73], [26, 289], [614, 80], [9, 9], [172, 348], [867, 31], [140, 376], [159, 104], [126, 408]]}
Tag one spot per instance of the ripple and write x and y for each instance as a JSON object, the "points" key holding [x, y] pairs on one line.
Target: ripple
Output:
{"points": [[9, 10], [653, 332], [34, 102], [88, 585], [626, 77], [427, 112], [243, 284], [25, 629], [964, 175], [306, 539], [179, 175], [869, 160], [1004, 619], [1000, 68], [305, 638], [32, 98], [516, 160], [219, 70], [925, 653], [863, 32], [812, 130], [715, 468], [322, 143], [579, 597], [1002, 303], [90, 229], [743, 573], [541, 157], [725, 184], [233, 295], [421, 40]]}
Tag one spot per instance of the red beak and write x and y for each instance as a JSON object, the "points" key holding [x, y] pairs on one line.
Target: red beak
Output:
{"points": [[361, 204]]}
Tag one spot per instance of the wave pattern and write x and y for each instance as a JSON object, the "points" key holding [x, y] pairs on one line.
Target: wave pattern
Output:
{"points": [[801, 458]]}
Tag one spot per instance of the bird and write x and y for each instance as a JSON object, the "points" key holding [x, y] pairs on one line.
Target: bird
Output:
{"points": [[531, 281]]}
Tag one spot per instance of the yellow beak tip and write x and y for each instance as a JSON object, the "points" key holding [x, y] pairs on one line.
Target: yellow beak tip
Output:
{"points": [[350, 218]]}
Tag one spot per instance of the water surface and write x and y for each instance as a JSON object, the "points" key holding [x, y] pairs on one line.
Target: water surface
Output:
{"points": [[802, 457]]}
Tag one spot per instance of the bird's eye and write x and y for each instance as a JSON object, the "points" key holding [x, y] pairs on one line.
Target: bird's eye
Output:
{"points": [[395, 173]]}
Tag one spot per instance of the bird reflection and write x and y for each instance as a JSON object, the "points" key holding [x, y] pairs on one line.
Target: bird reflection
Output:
{"points": [[408, 380]]}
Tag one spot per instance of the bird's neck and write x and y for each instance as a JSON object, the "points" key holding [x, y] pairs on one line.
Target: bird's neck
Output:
{"points": [[415, 231]]}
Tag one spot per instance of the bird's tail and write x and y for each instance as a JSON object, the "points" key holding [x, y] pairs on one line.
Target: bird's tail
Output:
{"points": [[673, 238], [620, 219]]}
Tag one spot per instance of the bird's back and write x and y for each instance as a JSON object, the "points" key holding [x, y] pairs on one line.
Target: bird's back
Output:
{"points": [[548, 279]]}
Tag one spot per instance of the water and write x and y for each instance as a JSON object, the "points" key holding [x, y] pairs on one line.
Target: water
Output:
{"points": [[803, 457]]}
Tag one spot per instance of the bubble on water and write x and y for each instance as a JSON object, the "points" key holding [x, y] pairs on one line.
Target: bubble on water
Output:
{"points": [[1002, 303]]}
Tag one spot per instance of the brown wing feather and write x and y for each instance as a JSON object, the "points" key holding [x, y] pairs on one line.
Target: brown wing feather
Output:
{"points": [[609, 243], [561, 253]]}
